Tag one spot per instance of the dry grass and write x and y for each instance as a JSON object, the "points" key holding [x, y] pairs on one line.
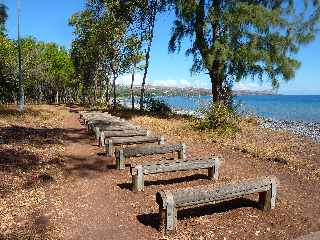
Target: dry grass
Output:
{"points": [[295, 152], [30, 149]]}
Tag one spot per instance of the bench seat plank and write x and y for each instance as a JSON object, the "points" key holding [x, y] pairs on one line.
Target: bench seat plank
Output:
{"points": [[123, 153], [169, 201], [138, 171], [113, 141]]}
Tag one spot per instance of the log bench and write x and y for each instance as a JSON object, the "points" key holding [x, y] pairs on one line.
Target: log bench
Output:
{"points": [[88, 116], [109, 143], [138, 171], [123, 153], [84, 114], [121, 133], [104, 121], [99, 128], [169, 201]]}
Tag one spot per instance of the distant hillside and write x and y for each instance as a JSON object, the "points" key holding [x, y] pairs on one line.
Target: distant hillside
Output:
{"points": [[187, 91]]}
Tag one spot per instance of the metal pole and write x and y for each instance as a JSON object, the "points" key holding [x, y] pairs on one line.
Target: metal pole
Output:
{"points": [[21, 82]]}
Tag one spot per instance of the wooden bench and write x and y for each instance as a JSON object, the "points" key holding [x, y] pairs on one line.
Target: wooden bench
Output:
{"points": [[121, 133], [104, 121], [109, 143], [99, 128], [123, 153], [84, 114], [169, 201], [90, 116], [138, 171]]}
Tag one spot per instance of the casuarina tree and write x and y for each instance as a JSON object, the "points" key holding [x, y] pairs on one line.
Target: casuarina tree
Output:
{"points": [[236, 39]]}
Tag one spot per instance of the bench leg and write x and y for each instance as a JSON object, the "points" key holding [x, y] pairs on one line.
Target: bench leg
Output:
{"points": [[102, 139], [213, 173], [162, 218], [138, 181], [182, 153], [161, 140], [97, 133], [168, 220], [265, 200], [120, 163], [109, 147]]}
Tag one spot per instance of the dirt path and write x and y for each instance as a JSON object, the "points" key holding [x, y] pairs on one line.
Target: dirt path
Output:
{"points": [[96, 202], [89, 206]]}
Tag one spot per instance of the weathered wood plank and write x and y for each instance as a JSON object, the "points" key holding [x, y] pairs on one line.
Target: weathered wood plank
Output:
{"points": [[135, 139], [123, 153], [122, 133], [113, 141], [142, 151], [125, 126], [168, 201], [172, 166]]}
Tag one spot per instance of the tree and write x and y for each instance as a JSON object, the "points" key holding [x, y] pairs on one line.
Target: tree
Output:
{"points": [[8, 66], [150, 16], [3, 18], [106, 42], [236, 39]]}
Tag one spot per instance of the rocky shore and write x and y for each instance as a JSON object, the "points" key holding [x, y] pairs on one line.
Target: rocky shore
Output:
{"points": [[310, 130]]}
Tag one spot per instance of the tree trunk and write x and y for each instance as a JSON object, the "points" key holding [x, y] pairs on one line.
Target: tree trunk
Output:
{"points": [[107, 89], [114, 92], [95, 91], [131, 87], [57, 97], [218, 94], [151, 30]]}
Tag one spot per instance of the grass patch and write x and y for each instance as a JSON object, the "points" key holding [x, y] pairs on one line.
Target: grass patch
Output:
{"points": [[218, 118]]}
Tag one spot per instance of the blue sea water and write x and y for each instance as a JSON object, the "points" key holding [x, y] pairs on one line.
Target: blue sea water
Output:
{"points": [[278, 107]]}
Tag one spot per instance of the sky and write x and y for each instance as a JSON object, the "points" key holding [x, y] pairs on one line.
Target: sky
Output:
{"points": [[48, 21]]}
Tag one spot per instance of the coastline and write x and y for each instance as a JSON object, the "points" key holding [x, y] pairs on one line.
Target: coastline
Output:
{"points": [[307, 129], [310, 130]]}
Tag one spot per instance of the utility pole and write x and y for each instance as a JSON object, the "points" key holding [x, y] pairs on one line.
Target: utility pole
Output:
{"points": [[21, 82]]}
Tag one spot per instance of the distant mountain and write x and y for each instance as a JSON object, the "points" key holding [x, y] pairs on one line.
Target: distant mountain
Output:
{"points": [[189, 91]]}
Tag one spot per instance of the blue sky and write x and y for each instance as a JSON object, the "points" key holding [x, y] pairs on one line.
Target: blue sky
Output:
{"points": [[48, 21]]}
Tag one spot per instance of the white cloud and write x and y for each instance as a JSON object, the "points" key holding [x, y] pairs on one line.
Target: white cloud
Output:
{"points": [[240, 86], [126, 80], [252, 86], [171, 83]]}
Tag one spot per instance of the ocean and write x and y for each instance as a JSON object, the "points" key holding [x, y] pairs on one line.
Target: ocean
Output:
{"points": [[305, 108]]}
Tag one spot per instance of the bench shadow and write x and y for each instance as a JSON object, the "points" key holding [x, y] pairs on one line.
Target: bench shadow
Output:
{"points": [[113, 166], [167, 181], [152, 219]]}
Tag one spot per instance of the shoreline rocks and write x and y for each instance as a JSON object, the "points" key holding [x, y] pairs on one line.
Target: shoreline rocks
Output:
{"points": [[310, 130], [306, 129]]}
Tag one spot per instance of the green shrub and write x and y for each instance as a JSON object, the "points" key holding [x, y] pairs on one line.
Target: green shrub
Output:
{"points": [[157, 107], [218, 117]]}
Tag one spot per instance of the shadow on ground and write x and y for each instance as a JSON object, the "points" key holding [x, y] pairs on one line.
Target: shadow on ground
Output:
{"points": [[167, 181], [152, 219]]}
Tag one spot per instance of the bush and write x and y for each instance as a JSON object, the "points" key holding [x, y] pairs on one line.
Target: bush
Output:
{"points": [[218, 117], [157, 107]]}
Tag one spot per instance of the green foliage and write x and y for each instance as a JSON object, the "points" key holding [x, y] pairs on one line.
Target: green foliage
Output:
{"points": [[48, 72], [157, 107], [237, 39], [219, 118], [8, 64], [3, 18], [105, 46]]}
